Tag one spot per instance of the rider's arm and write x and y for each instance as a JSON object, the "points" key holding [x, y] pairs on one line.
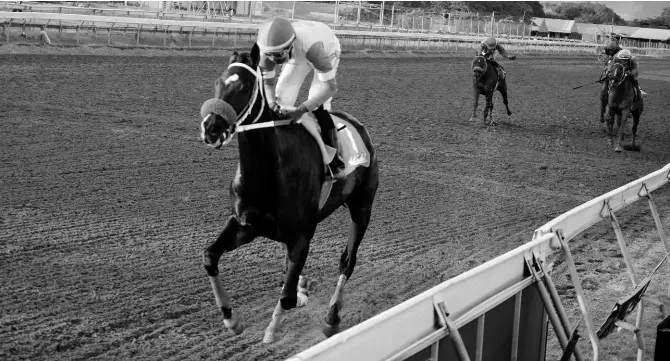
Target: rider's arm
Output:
{"points": [[269, 79], [325, 65], [633, 67], [502, 51]]}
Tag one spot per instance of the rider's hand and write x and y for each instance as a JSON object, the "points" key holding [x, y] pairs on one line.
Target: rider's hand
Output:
{"points": [[275, 107], [294, 115]]}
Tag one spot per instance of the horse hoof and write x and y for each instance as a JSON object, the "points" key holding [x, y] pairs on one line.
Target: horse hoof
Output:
{"points": [[330, 330], [617, 149], [472, 119], [272, 335], [234, 325]]}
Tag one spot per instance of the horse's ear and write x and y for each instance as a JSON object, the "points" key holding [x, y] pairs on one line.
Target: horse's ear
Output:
{"points": [[233, 58], [255, 55]]}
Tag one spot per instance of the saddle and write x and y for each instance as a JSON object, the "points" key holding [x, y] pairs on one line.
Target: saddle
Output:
{"points": [[350, 143], [499, 69]]}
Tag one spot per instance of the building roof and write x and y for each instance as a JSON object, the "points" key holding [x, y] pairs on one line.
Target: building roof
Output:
{"points": [[539, 25], [556, 25], [625, 31], [605, 29], [651, 34]]}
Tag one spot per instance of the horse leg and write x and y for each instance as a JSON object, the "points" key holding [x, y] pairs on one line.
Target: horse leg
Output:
{"points": [[360, 211], [233, 235], [503, 91], [475, 93], [636, 121], [621, 122], [603, 102], [621, 127], [489, 104], [297, 249]]}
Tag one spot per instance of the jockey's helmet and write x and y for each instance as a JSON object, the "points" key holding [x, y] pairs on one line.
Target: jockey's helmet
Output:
{"points": [[624, 56], [491, 43], [612, 47], [275, 38]]}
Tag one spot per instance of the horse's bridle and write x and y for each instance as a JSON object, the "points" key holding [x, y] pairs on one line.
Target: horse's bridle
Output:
{"points": [[614, 82], [485, 64], [257, 93]]}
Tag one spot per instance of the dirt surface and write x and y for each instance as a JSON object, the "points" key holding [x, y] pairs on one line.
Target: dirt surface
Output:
{"points": [[108, 198]]}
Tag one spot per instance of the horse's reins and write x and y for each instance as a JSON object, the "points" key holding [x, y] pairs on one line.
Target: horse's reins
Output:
{"points": [[615, 83], [258, 90]]}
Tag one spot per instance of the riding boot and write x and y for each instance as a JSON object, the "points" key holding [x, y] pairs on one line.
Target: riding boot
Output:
{"points": [[329, 135], [636, 84]]}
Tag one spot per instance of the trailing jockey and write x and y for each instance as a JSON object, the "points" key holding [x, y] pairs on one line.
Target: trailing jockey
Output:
{"points": [[488, 49], [299, 48], [615, 54]]}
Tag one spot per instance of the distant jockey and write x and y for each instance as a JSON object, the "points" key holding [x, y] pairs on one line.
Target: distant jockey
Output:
{"points": [[629, 62], [615, 54], [302, 47], [488, 49]]}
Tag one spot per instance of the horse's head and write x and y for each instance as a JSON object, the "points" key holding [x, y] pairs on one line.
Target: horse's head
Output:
{"points": [[479, 67], [616, 75], [238, 99]]}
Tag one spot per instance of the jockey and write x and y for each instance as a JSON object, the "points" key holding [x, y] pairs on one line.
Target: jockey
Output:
{"points": [[488, 49], [629, 62], [608, 52], [301, 47]]}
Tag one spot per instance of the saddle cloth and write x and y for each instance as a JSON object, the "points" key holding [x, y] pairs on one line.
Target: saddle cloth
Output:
{"points": [[352, 149]]}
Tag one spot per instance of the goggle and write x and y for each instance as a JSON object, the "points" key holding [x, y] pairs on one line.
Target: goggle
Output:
{"points": [[279, 54]]}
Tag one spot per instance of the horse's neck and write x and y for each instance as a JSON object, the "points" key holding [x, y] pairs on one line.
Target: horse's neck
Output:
{"points": [[258, 155]]}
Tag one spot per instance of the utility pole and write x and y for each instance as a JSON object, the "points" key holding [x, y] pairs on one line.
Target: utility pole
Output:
{"points": [[381, 15], [358, 19], [392, 12]]}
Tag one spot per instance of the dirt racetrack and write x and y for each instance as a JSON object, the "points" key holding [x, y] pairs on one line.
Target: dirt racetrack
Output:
{"points": [[108, 197]]}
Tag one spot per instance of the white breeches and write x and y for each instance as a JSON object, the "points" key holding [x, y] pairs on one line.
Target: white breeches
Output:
{"points": [[290, 81]]}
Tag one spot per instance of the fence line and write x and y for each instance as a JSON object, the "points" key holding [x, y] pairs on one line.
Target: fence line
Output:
{"points": [[408, 331], [382, 40]]}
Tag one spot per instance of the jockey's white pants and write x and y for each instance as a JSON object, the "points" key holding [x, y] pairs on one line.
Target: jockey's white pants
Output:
{"points": [[290, 81]]}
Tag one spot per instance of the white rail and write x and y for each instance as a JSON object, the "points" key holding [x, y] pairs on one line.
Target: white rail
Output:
{"points": [[409, 327]]}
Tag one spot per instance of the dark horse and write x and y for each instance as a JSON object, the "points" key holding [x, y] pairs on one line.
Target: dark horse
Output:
{"points": [[485, 81], [621, 100], [275, 191]]}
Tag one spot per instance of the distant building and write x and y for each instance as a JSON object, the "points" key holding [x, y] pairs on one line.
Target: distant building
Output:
{"points": [[554, 28]]}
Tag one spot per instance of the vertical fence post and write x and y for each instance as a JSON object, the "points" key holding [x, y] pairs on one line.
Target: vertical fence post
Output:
{"points": [[659, 225], [139, 30]]}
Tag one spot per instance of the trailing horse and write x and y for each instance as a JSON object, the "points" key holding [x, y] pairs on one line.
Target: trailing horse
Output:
{"points": [[622, 100], [277, 188], [485, 81]]}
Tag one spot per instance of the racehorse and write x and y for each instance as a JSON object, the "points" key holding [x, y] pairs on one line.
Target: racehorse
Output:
{"points": [[276, 189], [485, 81], [621, 101]]}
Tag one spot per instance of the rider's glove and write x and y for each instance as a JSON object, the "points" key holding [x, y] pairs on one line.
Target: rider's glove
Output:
{"points": [[275, 107]]}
